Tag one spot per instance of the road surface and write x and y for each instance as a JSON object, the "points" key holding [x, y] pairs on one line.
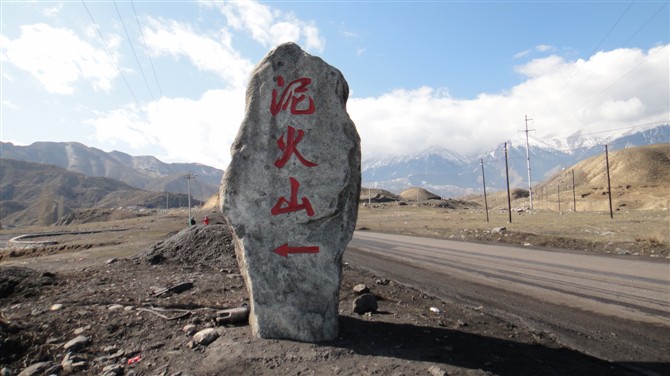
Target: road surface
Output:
{"points": [[615, 308]]}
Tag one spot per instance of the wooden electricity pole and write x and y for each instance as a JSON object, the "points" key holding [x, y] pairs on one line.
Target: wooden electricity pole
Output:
{"points": [[188, 178], [609, 187], [574, 196], [509, 199], [486, 205]]}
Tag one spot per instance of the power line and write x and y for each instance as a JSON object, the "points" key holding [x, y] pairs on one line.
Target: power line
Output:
{"points": [[591, 54], [97, 28], [160, 90], [612, 28], [130, 42], [645, 24]]}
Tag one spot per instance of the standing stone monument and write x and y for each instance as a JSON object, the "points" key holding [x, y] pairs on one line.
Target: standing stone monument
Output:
{"points": [[290, 194]]}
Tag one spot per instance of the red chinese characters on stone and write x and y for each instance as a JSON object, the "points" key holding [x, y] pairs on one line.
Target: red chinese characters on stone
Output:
{"points": [[287, 206], [292, 95], [289, 148]]}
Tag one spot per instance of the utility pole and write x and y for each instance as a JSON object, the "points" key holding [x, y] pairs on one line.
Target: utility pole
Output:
{"points": [[574, 196], [530, 187], [486, 204], [609, 187], [188, 178], [509, 199]]}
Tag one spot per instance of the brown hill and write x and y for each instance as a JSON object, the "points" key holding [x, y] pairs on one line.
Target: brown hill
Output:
{"points": [[40, 194], [143, 172], [377, 195], [418, 194], [639, 178]]}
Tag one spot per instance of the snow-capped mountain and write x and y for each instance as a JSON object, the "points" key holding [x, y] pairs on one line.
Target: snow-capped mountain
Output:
{"points": [[449, 174]]}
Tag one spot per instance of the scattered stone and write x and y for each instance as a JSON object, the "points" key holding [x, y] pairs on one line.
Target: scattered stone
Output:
{"points": [[112, 370], [56, 307], [205, 336], [434, 309], [76, 343], [290, 194], [498, 230], [382, 281], [437, 371], [111, 261], [189, 329], [5, 372], [361, 289], [72, 362], [115, 307], [35, 369], [53, 370], [79, 331], [365, 303]]}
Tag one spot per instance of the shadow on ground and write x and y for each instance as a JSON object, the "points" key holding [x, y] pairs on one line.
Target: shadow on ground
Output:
{"points": [[473, 351]]}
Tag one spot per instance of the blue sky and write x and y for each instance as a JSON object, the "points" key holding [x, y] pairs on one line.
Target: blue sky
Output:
{"points": [[167, 78]]}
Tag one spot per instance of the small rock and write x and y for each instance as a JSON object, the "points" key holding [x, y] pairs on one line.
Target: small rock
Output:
{"points": [[382, 281], [56, 307], [364, 304], [111, 261], [361, 289], [189, 329], [53, 370], [115, 307], [5, 372], [79, 331], [434, 309], [72, 362], [76, 343], [437, 371], [35, 369], [112, 370], [498, 230], [205, 336]]}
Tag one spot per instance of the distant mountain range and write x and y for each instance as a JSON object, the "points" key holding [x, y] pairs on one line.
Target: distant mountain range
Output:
{"points": [[143, 172], [41, 194], [37, 193], [451, 175]]}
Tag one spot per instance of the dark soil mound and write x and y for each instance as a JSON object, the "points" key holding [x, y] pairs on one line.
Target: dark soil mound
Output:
{"points": [[19, 283], [210, 245]]}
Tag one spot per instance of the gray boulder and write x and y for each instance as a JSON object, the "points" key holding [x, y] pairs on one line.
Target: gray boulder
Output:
{"points": [[290, 194]]}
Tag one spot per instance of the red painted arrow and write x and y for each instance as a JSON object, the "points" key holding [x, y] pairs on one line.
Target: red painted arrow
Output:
{"points": [[285, 250]]}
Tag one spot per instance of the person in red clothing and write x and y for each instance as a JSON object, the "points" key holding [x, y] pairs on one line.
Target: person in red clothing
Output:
{"points": [[206, 220]]}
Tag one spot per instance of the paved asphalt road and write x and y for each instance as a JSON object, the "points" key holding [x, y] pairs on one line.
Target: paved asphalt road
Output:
{"points": [[615, 308]]}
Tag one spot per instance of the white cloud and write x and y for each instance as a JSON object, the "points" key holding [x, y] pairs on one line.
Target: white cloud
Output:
{"points": [[53, 11], [10, 104], [208, 53], [538, 48], [58, 58], [200, 130], [270, 26], [611, 90]]}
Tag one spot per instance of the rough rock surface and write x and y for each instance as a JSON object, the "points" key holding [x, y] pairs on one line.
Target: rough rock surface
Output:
{"points": [[290, 194]]}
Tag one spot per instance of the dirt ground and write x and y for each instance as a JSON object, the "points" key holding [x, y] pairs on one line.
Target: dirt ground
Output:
{"points": [[139, 293]]}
